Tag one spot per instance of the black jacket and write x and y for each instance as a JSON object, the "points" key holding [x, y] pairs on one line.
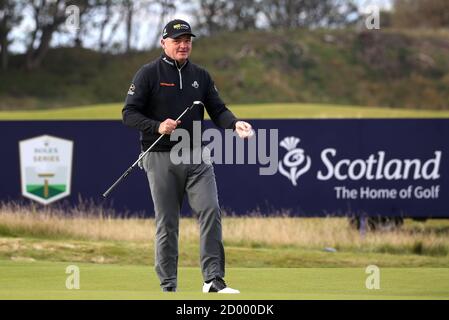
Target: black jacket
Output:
{"points": [[161, 90]]}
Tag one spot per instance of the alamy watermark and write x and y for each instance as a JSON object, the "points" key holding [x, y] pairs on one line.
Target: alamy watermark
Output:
{"points": [[73, 280], [373, 280], [260, 149], [372, 19], [72, 21], [72, 14]]}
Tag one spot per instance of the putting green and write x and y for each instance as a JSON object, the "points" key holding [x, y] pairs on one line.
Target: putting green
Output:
{"points": [[47, 280]]}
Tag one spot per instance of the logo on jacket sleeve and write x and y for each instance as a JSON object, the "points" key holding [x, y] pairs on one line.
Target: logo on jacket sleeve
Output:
{"points": [[195, 84], [132, 89]]}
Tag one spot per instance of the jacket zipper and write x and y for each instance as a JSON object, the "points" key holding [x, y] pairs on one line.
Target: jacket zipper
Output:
{"points": [[179, 72]]}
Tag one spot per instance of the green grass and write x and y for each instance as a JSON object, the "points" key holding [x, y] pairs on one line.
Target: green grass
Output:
{"points": [[245, 111], [46, 280]]}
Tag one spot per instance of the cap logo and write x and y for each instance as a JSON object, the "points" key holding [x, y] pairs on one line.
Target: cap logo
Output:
{"points": [[181, 26]]}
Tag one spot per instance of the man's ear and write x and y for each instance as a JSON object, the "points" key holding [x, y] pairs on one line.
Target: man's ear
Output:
{"points": [[163, 43]]}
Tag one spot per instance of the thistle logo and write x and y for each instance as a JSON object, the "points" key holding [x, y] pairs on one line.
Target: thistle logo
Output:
{"points": [[293, 160], [46, 168]]}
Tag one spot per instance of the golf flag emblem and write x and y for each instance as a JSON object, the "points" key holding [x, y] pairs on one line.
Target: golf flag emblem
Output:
{"points": [[45, 168]]}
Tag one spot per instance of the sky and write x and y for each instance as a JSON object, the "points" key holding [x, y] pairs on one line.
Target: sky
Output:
{"points": [[148, 28]]}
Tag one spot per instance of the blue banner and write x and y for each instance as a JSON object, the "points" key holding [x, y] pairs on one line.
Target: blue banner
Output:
{"points": [[396, 167]]}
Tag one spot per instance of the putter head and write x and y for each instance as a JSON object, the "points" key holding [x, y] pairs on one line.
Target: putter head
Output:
{"points": [[197, 103]]}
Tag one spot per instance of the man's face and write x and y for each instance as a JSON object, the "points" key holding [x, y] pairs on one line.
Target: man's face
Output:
{"points": [[178, 49]]}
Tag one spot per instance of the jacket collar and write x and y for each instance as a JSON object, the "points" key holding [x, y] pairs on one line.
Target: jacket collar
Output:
{"points": [[166, 59]]}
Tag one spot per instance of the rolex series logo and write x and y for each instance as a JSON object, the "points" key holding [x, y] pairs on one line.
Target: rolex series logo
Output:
{"points": [[46, 168]]}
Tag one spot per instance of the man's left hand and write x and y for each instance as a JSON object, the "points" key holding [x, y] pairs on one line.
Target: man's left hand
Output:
{"points": [[244, 129]]}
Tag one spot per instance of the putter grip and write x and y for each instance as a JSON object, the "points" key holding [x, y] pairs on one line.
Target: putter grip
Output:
{"points": [[117, 182]]}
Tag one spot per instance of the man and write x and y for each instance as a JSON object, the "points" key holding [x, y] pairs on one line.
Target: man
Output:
{"points": [[160, 92]]}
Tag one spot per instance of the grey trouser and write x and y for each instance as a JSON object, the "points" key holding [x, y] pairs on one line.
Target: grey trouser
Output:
{"points": [[168, 184]]}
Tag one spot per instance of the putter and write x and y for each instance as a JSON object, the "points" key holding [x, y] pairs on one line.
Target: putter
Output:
{"points": [[127, 172]]}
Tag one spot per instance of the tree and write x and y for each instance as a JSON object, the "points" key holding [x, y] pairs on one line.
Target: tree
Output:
{"points": [[210, 16], [281, 14], [107, 7], [226, 15], [421, 13], [129, 14], [10, 16], [48, 17], [244, 14], [231, 15], [167, 7]]}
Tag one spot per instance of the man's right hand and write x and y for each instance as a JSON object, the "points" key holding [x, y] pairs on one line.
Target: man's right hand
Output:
{"points": [[168, 126]]}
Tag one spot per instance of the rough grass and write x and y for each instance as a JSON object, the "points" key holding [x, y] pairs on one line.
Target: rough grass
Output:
{"points": [[50, 234]]}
